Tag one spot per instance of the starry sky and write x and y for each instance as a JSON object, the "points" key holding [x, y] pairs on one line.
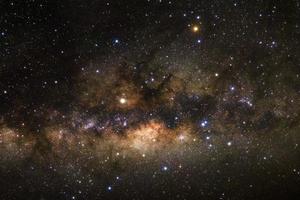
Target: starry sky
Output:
{"points": [[149, 99]]}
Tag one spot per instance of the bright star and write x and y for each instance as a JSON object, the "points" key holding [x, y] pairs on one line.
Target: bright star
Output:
{"points": [[195, 28], [181, 137], [122, 100], [204, 123], [116, 41]]}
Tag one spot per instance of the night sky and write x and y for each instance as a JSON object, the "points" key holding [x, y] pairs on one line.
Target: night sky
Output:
{"points": [[149, 99]]}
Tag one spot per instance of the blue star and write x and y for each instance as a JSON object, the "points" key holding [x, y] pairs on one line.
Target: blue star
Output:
{"points": [[116, 41], [232, 88], [204, 123]]}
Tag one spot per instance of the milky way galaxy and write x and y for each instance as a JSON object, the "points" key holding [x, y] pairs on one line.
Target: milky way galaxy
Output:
{"points": [[149, 99]]}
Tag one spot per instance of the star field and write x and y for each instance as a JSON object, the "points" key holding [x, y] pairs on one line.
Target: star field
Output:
{"points": [[149, 99]]}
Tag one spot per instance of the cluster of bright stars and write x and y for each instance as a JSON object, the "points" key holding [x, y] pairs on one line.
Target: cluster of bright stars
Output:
{"points": [[204, 123]]}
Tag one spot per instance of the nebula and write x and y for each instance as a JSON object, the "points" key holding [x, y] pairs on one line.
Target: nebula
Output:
{"points": [[149, 99]]}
